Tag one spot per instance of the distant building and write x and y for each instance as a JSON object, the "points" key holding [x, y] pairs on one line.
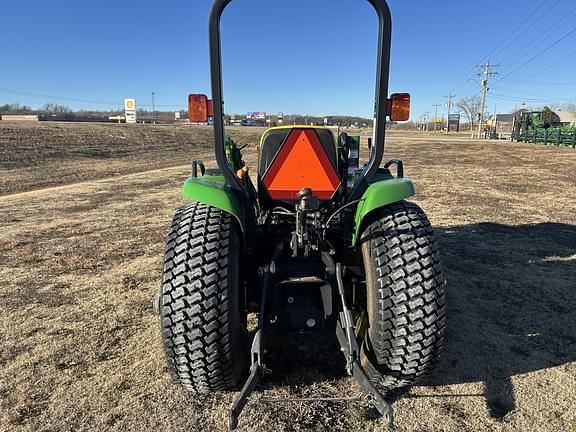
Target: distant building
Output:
{"points": [[567, 118], [501, 123], [19, 117]]}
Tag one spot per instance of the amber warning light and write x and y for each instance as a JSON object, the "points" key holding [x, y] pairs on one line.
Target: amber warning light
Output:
{"points": [[399, 107], [198, 108]]}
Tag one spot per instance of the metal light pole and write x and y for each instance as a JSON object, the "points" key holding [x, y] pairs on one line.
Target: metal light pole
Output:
{"points": [[153, 108]]}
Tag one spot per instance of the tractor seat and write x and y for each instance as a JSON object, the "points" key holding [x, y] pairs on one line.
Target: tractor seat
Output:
{"points": [[293, 158]]}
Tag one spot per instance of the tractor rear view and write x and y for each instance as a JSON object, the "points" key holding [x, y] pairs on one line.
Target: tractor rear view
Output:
{"points": [[314, 241]]}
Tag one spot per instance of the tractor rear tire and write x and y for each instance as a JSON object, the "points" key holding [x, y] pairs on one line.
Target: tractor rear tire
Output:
{"points": [[405, 296], [203, 328]]}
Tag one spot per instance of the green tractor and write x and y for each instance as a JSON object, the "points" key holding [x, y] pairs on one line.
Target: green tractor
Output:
{"points": [[316, 242]]}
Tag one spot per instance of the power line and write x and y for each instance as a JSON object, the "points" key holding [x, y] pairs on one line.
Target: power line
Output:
{"points": [[513, 98], [536, 83], [69, 99], [540, 37], [507, 37], [503, 45], [463, 81], [531, 59], [547, 69], [533, 96], [495, 50], [464, 92], [39, 95]]}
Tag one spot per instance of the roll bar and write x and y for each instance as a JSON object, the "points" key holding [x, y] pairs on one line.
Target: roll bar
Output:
{"points": [[382, 69]]}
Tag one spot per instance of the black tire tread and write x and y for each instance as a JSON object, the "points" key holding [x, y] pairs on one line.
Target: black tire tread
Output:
{"points": [[199, 326], [407, 304]]}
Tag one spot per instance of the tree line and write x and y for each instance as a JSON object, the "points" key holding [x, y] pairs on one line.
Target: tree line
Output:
{"points": [[47, 108]]}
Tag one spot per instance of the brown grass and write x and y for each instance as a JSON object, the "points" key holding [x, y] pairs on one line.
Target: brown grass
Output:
{"points": [[37, 155], [79, 263]]}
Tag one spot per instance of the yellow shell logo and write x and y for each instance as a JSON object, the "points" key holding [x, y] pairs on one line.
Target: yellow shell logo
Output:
{"points": [[130, 104]]}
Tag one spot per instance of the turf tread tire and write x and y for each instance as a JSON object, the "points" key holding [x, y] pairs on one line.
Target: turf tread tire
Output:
{"points": [[202, 329], [406, 300]]}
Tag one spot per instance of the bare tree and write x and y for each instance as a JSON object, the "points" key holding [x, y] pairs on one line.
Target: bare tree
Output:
{"points": [[53, 108], [470, 107], [15, 109]]}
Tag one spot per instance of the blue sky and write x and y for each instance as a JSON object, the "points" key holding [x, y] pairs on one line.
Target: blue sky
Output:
{"points": [[311, 57]]}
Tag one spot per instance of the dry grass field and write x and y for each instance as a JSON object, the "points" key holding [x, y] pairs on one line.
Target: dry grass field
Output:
{"points": [[83, 214]]}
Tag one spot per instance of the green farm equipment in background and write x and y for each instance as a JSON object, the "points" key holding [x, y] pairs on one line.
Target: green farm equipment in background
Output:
{"points": [[542, 127]]}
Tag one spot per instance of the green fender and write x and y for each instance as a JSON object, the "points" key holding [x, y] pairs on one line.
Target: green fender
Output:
{"points": [[212, 190], [380, 194]]}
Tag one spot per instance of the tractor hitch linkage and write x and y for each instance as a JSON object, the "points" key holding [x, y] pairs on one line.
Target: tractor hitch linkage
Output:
{"points": [[345, 332], [257, 367]]}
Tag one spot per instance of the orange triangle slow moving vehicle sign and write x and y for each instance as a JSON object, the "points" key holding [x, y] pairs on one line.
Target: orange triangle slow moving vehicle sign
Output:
{"points": [[301, 163]]}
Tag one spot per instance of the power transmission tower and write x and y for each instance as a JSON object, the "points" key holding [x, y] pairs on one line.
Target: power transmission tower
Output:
{"points": [[484, 74], [436, 114], [449, 106]]}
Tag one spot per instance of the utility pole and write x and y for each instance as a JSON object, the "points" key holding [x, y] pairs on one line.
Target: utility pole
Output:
{"points": [[449, 106], [484, 75], [436, 114], [495, 120], [153, 108]]}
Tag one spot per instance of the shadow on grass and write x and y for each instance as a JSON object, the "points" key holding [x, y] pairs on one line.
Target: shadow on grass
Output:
{"points": [[511, 299], [305, 360]]}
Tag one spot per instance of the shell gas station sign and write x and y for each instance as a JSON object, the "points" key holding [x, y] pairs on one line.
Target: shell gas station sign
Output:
{"points": [[130, 110]]}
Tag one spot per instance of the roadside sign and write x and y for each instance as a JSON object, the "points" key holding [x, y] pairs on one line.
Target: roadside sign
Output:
{"points": [[260, 115], [130, 110], [454, 123]]}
